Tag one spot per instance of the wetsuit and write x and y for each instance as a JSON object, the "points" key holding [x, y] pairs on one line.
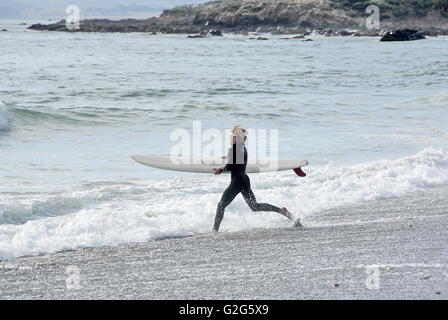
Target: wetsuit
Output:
{"points": [[240, 182]]}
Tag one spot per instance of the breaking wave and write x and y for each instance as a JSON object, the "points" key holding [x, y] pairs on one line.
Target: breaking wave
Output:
{"points": [[98, 214]]}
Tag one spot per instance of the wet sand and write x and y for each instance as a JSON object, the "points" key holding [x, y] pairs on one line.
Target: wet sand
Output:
{"points": [[389, 249]]}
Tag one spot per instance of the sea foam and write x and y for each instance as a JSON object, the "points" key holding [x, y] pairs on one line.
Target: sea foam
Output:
{"points": [[103, 215]]}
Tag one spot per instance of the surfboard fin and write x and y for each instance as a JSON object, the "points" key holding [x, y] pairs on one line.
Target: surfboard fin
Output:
{"points": [[299, 172]]}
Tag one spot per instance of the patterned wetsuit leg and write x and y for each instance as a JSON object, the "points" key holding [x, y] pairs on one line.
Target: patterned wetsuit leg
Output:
{"points": [[249, 196], [227, 197], [239, 184]]}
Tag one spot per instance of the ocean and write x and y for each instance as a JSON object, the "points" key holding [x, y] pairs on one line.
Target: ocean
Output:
{"points": [[370, 117]]}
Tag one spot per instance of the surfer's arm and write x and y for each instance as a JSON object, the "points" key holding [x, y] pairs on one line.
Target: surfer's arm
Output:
{"points": [[221, 170], [229, 156]]}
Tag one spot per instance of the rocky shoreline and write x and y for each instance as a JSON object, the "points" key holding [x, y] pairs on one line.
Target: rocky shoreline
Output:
{"points": [[305, 17]]}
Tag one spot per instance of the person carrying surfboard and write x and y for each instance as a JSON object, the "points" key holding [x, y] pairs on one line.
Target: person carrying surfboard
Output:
{"points": [[240, 182]]}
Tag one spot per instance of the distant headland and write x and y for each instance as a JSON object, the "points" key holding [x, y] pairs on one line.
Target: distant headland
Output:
{"points": [[325, 17]]}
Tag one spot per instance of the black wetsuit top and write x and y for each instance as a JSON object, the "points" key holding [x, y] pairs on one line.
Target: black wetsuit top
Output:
{"points": [[237, 161]]}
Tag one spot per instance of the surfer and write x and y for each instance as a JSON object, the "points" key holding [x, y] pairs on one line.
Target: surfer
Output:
{"points": [[240, 182]]}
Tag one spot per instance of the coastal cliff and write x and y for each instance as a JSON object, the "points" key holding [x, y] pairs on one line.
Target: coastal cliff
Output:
{"points": [[328, 17]]}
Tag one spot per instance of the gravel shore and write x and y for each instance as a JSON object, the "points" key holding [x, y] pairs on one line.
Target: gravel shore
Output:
{"points": [[389, 249]]}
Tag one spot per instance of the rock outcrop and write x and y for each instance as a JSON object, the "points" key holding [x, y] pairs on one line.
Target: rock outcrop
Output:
{"points": [[326, 17], [402, 35]]}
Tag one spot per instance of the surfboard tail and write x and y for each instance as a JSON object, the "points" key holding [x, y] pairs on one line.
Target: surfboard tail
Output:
{"points": [[299, 172]]}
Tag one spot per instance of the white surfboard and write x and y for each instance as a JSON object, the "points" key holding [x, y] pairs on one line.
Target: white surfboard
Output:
{"points": [[174, 163]]}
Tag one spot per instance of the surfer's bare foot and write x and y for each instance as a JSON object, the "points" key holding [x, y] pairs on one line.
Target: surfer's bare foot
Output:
{"points": [[298, 224], [286, 213]]}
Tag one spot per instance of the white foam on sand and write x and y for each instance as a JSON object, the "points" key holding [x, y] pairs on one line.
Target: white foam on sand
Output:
{"points": [[109, 214]]}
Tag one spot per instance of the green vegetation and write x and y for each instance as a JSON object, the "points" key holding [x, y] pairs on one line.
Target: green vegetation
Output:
{"points": [[399, 8]]}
